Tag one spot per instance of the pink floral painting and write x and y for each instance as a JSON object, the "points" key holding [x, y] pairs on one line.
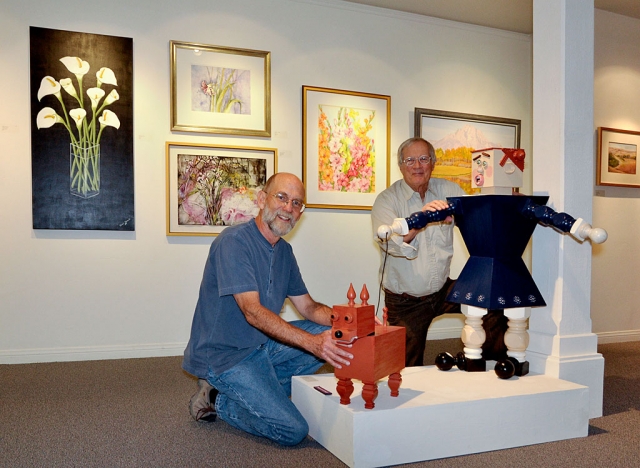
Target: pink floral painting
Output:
{"points": [[346, 150], [218, 191]]}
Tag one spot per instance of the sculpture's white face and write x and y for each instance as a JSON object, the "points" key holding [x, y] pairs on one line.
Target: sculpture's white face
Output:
{"points": [[482, 168]]}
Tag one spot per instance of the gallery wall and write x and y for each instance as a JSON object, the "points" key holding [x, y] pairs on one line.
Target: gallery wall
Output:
{"points": [[615, 294], [73, 295]]}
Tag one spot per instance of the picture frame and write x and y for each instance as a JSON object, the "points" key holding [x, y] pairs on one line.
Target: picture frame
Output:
{"points": [[217, 89], [341, 171], [455, 135], [210, 187], [81, 179], [617, 157]]}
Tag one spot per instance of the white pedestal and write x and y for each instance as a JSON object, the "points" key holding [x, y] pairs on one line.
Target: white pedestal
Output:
{"points": [[441, 414]]}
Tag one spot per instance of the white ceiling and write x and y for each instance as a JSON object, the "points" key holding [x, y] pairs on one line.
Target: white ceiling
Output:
{"points": [[511, 15]]}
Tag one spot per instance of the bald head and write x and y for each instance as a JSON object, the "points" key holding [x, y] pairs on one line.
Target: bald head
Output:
{"points": [[284, 179]]}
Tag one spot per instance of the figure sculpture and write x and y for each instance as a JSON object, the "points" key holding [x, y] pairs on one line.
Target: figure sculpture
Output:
{"points": [[496, 227]]}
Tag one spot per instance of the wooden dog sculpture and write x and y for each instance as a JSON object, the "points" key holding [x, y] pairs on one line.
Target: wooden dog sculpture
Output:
{"points": [[378, 350]]}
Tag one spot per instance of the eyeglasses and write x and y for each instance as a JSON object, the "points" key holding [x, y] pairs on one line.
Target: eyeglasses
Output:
{"points": [[284, 199], [424, 160]]}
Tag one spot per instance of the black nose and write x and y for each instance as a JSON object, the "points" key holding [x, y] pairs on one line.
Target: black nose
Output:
{"points": [[338, 334]]}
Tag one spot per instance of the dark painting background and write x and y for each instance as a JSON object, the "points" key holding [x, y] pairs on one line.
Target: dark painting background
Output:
{"points": [[53, 205]]}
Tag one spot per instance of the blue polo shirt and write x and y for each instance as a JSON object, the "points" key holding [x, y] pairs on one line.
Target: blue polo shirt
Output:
{"points": [[240, 260]]}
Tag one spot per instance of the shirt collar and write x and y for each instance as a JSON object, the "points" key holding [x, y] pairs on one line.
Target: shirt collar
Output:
{"points": [[407, 192]]}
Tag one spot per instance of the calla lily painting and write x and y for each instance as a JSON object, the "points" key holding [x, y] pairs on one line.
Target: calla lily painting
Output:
{"points": [[82, 152]]}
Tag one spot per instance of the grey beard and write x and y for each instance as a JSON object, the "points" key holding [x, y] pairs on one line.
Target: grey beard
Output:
{"points": [[270, 219]]}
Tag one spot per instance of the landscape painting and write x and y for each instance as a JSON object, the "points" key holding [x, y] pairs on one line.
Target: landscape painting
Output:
{"points": [[617, 157], [622, 158], [455, 136]]}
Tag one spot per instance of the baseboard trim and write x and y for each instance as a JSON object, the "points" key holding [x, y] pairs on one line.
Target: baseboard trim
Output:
{"points": [[96, 353], [618, 336], [90, 353], [442, 333]]}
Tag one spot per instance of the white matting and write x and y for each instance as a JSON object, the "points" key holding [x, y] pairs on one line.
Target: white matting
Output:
{"points": [[441, 414]]}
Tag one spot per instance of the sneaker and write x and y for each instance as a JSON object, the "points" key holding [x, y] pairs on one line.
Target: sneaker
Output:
{"points": [[203, 403]]}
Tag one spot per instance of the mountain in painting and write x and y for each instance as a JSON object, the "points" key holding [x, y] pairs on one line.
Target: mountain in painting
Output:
{"points": [[467, 136]]}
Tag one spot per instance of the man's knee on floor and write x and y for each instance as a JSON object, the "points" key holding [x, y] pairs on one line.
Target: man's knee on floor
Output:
{"points": [[295, 433]]}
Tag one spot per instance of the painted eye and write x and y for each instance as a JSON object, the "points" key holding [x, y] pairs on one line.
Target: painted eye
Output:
{"points": [[348, 318]]}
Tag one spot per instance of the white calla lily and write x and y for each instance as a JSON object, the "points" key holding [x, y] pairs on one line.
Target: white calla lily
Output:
{"points": [[47, 117], [95, 94], [67, 85], [78, 116], [111, 97], [48, 86], [106, 75], [76, 65], [109, 118]]}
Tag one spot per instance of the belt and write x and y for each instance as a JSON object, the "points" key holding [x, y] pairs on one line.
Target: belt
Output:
{"points": [[408, 296]]}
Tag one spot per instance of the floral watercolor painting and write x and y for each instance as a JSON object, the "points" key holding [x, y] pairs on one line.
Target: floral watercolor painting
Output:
{"points": [[346, 150], [218, 191], [221, 90], [345, 147], [82, 130]]}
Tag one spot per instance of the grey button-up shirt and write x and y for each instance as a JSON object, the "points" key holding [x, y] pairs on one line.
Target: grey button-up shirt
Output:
{"points": [[421, 267]]}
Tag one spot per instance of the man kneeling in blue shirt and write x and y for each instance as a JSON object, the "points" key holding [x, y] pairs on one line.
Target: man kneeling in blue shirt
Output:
{"points": [[243, 353]]}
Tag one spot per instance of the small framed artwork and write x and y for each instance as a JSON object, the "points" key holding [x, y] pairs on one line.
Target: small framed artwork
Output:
{"points": [[345, 147], [217, 89], [617, 156], [211, 187], [455, 136]]}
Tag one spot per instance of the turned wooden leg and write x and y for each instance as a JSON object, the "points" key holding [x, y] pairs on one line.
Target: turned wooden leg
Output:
{"points": [[344, 389], [516, 337], [394, 382], [473, 334], [369, 394]]}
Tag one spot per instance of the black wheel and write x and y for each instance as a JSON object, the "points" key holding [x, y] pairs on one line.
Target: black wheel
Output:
{"points": [[461, 361], [445, 361], [505, 369]]}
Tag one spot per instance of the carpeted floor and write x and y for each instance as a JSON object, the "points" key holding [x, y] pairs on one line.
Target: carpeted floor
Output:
{"points": [[133, 413]]}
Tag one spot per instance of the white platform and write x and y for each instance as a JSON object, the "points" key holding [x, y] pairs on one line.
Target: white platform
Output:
{"points": [[441, 414]]}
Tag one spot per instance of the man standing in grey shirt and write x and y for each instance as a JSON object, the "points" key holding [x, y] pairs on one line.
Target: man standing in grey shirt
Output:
{"points": [[416, 272]]}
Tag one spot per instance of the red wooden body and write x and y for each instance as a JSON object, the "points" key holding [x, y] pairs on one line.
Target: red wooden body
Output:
{"points": [[376, 356], [378, 350]]}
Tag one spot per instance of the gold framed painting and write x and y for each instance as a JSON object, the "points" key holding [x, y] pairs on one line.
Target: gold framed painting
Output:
{"points": [[211, 187], [617, 157], [216, 89], [345, 147], [455, 135]]}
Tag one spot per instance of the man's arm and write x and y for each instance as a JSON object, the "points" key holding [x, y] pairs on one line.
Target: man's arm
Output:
{"points": [[383, 212], [312, 310], [321, 345]]}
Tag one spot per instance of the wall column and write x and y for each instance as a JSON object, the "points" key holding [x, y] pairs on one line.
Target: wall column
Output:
{"points": [[562, 344]]}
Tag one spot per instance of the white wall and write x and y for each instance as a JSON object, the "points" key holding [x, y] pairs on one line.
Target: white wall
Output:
{"points": [[615, 292], [67, 295]]}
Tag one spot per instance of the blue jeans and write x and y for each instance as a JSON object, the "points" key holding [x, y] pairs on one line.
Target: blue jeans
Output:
{"points": [[254, 394]]}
